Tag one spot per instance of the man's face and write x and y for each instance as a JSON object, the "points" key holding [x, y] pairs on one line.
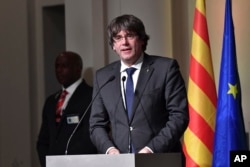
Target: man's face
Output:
{"points": [[66, 71], [128, 46]]}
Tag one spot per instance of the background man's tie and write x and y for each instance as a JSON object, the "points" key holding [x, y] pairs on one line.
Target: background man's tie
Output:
{"points": [[59, 106]]}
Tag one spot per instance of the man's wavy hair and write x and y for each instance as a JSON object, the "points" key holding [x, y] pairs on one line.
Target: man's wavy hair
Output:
{"points": [[128, 23]]}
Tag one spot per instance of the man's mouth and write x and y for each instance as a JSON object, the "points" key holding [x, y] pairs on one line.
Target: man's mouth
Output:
{"points": [[126, 49]]}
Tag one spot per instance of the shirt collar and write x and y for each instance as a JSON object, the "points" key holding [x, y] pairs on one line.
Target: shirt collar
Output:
{"points": [[73, 86], [137, 64]]}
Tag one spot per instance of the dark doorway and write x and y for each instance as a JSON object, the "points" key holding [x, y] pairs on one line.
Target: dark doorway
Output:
{"points": [[54, 43]]}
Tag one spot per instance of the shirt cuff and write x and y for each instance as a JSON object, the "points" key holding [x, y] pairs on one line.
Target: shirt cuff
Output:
{"points": [[149, 149], [109, 149]]}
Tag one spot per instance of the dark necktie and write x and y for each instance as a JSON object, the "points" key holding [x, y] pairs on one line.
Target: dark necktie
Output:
{"points": [[59, 106], [129, 90]]}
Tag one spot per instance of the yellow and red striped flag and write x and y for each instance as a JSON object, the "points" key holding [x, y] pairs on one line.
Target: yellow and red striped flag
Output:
{"points": [[202, 97]]}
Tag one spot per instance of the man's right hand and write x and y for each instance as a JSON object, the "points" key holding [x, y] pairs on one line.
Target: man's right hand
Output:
{"points": [[113, 151]]}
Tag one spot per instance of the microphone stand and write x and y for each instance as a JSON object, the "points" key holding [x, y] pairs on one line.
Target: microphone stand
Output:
{"points": [[85, 112]]}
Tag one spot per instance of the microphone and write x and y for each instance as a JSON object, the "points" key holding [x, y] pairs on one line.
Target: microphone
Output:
{"points": [[123, 79], [123, 87], [129, 136], [93, 99], [124, 92]]}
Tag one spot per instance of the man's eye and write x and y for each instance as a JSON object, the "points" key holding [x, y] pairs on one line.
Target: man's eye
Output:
{"points": [[117, 37]]}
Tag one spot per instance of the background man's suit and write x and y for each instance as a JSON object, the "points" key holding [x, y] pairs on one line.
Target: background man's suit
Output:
{"points": [[59, 135], [159, 116]]}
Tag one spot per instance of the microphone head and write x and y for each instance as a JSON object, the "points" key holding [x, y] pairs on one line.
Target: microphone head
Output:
{"points": [[123, 78]]}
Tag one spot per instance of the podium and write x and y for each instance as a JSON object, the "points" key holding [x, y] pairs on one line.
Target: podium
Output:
{"points": [[120, 160]]}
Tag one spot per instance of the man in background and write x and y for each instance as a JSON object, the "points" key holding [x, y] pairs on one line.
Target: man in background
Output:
{"points": [[63, 110]]}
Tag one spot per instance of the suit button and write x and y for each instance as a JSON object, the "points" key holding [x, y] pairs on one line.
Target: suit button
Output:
{"points": [[131, 128]]}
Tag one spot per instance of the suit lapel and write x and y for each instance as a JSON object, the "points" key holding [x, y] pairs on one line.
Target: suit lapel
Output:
{"points": [[74, 98], [144, 77], [55, 127], [117, 86], [115, 90]]}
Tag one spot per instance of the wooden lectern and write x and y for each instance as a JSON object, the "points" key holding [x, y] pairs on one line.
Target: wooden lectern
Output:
{"points": [[121, 160]]}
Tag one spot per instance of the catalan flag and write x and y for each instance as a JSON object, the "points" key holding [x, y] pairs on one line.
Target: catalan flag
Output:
{"points": [[229, 129], [202, 97]]}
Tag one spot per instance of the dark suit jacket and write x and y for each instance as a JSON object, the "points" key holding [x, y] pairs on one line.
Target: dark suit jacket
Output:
{"points": [[52, 139], [160, 110]]}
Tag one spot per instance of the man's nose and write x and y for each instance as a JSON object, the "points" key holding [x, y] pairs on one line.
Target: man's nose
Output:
{"points": [[124, 40]]}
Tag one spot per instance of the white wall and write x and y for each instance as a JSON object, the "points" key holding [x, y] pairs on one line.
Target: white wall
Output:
{"points": [[85, 33], [15, 118]]}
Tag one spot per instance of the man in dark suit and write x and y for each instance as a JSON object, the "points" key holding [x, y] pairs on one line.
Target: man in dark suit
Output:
{"points": [[158, 115], [60, 116]]}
